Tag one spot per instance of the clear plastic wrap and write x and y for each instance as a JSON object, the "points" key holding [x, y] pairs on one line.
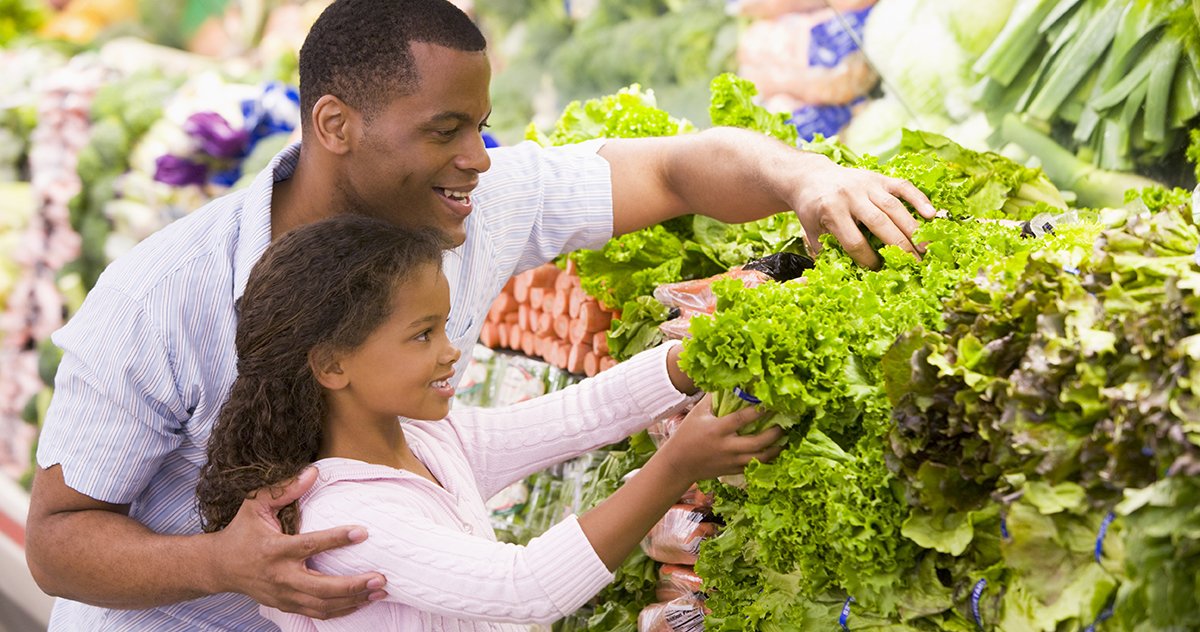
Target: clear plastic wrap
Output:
{"points": [[685, 614], [676, 538], [676, 581]]}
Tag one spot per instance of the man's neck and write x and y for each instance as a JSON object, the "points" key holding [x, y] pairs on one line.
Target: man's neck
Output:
{"points": [[301, 199]]}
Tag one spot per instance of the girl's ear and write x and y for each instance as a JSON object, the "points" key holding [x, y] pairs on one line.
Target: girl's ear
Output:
{"points": [[327, 368]]}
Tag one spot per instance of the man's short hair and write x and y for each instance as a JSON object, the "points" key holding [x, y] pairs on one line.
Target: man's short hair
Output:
{"points": [[359, 50]]}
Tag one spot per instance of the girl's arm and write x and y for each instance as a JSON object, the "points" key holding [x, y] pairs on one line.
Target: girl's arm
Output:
{"points": [[448, 571], [507, 444]]}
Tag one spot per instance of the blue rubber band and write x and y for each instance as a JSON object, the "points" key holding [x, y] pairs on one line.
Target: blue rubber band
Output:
{"points": [[845, 613], [746, 396], [1004, 528], [1104, 615], [976, 593], [1108, 518], [1072, 270]]}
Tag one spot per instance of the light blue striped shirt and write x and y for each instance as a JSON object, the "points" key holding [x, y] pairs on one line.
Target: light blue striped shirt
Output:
{"points": [[149, 358]]}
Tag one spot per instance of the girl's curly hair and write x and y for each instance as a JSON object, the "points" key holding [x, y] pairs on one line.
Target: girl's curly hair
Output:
{"points": [[321, 288]]}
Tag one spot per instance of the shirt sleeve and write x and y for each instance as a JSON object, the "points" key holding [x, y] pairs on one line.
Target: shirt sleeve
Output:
{"points": [[447, 572], [116, 410], [540, 202], [506, 444]]}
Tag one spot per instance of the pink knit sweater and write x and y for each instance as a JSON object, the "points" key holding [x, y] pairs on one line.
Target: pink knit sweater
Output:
{"points": [[444, 567]]}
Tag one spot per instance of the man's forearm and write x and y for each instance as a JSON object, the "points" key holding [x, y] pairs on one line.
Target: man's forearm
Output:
{"points": [[728, 174], [110, 560]]}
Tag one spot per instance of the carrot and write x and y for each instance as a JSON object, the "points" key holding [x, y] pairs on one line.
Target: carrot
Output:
{"points": [[594, 317], [575, 356], [591, 364], [563, 352], [573, 303], [502, 336], [543, 275], [536, 296], [514, 336], [600, 342], [576, 332], [489, 335], [521, 287], [528, 341], [563, 282], [523, 316], [546, 324], [508, 285], [559, 305], [562, 324], [503, 304], [571, 269], [607, 362], [539, 346], [511, 317]]}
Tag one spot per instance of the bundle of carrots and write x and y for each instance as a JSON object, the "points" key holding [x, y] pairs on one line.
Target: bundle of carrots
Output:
{"points": [[544, 313]]}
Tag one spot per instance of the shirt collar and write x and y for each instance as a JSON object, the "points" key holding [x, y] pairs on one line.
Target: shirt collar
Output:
{"points": [[254, 234]]}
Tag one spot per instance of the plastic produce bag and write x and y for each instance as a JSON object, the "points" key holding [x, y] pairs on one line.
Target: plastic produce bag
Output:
{"points": [[676, 538], [675, 582], [776, 8], [685, 614]]}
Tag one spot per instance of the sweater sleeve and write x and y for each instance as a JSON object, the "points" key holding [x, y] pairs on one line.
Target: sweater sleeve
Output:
{"points": [[504, 445], [445, 571]]}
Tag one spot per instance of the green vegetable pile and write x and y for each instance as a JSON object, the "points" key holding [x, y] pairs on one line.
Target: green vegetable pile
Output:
{"points": [[1119, 79], [1061, 387], [825, 519]]}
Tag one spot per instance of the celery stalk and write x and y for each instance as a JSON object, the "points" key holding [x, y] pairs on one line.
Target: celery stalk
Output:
{"points": [[1094, 187], [1140, 72], [1077, 59], [1016, 42], [1158, 93], [1185, 96]]}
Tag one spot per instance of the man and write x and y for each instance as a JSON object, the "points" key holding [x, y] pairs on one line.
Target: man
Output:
{"points": [[395, 95]]}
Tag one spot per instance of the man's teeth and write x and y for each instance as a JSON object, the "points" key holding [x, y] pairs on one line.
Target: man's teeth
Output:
{"points": [[461, 196]]}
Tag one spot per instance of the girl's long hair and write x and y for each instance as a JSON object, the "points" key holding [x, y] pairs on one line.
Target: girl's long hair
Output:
{"points": [[318, 289]]}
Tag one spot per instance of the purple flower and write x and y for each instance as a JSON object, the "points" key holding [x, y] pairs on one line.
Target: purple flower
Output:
{"points": [[179, 172], [217, 138]]}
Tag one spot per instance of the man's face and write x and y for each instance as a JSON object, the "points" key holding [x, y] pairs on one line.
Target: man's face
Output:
{"points": [[421, 156]]}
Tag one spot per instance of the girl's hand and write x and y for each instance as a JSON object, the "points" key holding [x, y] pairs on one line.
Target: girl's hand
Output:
{"points": [[705, 446]]}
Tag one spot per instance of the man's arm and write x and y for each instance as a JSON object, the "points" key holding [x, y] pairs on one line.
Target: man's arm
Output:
{"points": [[90, 551], [737, 175]]}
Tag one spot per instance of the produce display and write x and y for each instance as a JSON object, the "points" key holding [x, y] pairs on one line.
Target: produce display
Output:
{"points": [[999, 435]]}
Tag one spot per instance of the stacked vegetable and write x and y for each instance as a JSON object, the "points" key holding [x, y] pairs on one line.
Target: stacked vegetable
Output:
{"points": [[544, 313]]}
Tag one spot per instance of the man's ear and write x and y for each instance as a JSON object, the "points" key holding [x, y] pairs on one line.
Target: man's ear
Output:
{"points": [[335, 124], [326, 367]]}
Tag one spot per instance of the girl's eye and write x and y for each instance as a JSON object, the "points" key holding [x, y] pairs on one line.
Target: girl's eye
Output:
{"points": [[424, 336]]}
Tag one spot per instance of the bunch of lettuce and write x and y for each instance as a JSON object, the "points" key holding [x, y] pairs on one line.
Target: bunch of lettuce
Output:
{"points": [[828, 518], [1061, 380]]}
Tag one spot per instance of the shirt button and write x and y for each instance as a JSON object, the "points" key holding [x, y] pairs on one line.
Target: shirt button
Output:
{"points": [[466, 528]]}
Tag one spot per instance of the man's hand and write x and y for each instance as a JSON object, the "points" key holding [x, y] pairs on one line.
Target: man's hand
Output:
{"points": [[736, 175], [256, 559], [835, 199]]}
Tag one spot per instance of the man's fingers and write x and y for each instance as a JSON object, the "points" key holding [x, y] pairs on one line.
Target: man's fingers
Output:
{"points": [[910, 193], [883, 227], [896, 211], [854, 243], [306, 545], [341, 591]]}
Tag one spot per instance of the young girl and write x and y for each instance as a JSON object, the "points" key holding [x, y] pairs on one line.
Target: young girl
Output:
{"points": [[343, 360]]}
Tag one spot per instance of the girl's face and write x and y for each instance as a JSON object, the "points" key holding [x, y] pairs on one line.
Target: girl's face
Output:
{"points": [[404, 367]]}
